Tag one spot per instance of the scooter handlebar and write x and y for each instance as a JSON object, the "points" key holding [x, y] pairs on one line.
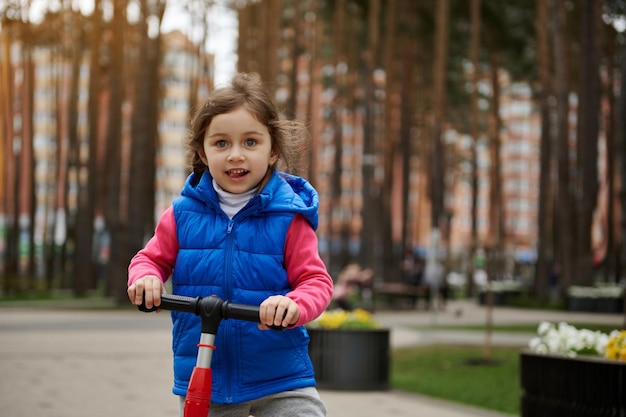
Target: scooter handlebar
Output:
{"points": [[198, 306]]}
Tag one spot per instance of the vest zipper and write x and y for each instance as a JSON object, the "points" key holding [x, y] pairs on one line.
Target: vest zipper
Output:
{"points": [[228, 292], [228, 295], [229, 260]]}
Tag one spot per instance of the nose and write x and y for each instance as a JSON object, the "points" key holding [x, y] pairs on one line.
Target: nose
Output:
{"points": [[235, 154]]}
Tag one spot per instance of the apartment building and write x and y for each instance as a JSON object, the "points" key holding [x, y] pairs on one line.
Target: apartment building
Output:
{"points": [[185, 80]]}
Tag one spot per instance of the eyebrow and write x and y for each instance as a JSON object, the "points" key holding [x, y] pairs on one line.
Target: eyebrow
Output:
{"points": [[251, 132]]}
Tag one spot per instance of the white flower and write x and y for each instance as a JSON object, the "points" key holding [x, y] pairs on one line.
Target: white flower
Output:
{"points": [[544, 327], [567, 340]]}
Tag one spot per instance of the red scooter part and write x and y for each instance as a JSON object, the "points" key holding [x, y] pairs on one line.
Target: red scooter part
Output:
{"points": [[198, 397], [212, 310], [199, 393]]}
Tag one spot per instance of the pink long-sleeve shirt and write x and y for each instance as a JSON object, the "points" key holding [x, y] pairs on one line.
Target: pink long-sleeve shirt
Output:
{"points": [[309, 280]]}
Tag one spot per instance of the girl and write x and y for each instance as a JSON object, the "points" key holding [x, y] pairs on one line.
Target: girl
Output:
{"points": [[244, 231]]}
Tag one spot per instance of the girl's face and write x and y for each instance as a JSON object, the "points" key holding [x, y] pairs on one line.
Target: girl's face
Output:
{"points": [[237, 149]]}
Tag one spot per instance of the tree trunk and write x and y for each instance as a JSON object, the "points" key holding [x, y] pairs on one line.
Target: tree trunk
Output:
{"points": [[83, 259], [115, 218], [25, 179], [620, 133], [437, 159], [143, 142], [545, 254], [390, 268], [611, 260], [496, 206], [566, 232], [369, 241], [475, 16], [408, 111], [588, 127], [6, 156]]}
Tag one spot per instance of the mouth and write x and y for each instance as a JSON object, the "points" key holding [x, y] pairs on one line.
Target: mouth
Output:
{"points": [[237, 173]]}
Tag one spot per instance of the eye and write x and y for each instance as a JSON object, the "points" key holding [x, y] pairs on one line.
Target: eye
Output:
{"points": [[250, 142], [221, 143]]}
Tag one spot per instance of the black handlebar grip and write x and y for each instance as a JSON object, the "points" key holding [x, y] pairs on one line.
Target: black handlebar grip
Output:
{"points": [[173, 302], [240, 312], [180, 303], [243, 312]]}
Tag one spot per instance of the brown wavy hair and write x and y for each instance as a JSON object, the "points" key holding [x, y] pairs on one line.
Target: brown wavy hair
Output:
{"points": [[290, 139]]}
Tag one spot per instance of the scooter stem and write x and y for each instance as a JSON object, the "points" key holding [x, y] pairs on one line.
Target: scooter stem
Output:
{"points": [[198, 397]]}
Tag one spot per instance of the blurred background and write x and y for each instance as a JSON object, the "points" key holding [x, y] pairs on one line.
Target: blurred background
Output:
{"points": [[487, 136]]}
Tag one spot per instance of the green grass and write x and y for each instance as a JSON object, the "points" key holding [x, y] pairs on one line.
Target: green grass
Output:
{"points": [[447, 372], [520, 328]]}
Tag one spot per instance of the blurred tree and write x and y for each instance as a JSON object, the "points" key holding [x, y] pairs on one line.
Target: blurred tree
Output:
{"points": [[144, 136], [437, 171], [115, 212], [259, 33], [564, 229], [65, 233], [474, 56], [586, 172], [5, 151], [371, 79], [84, 268], [545, 216], [612, 262], [393, 88], [408, 89], [615, 12], [496, 234]]}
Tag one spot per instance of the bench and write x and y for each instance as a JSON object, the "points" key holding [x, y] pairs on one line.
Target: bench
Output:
{"points": [[392, 292]]}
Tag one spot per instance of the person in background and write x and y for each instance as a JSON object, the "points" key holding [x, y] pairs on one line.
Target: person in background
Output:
{"points": [[245, 231], [353, 280], [412, 268], [434, 279]]}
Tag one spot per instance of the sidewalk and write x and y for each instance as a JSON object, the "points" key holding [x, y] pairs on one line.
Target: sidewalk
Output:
{"points": [[411, 327], [73, 363]]}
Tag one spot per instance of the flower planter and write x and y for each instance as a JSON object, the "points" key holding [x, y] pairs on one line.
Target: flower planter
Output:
{"points": [[350, 359], [609, 305], [599, 304], [555, 386], [500, 298]]}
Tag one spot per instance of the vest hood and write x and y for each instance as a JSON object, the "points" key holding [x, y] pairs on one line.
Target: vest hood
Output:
{"points": [[282, 193]]}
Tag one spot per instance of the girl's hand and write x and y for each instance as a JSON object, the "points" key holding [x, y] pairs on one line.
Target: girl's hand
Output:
{"points": [[278, 310], [149, 285]]}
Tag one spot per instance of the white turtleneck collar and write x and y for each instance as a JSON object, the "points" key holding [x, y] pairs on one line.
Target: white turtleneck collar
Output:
{"points": [[232, 203]]}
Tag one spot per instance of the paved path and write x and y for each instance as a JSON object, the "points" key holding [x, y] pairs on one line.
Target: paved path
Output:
{"points": [[77, 363]]}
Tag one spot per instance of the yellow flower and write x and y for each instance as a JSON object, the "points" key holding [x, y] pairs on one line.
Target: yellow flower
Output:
{"points": [[616, 346], [343, 319]]}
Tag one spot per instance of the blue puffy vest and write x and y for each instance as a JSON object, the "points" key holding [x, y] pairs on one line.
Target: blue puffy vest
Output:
{"points": [[241, 260]]}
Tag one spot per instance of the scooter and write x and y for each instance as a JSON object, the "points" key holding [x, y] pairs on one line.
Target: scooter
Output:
{"points": [[212, 310]]}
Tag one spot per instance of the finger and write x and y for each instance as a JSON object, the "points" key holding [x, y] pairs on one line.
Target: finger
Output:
{"points": [[279, 317], [156, 293], [262, 313], [267, 311], [147, 296], [291, 315], [131, 293], [139, 289]]}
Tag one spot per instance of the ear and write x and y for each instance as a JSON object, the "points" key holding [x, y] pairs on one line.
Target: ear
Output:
{"points": [[202, 156], [273, 158]]}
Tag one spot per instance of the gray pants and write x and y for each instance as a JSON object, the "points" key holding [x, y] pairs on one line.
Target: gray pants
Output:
{"points": [[304, 402]]}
